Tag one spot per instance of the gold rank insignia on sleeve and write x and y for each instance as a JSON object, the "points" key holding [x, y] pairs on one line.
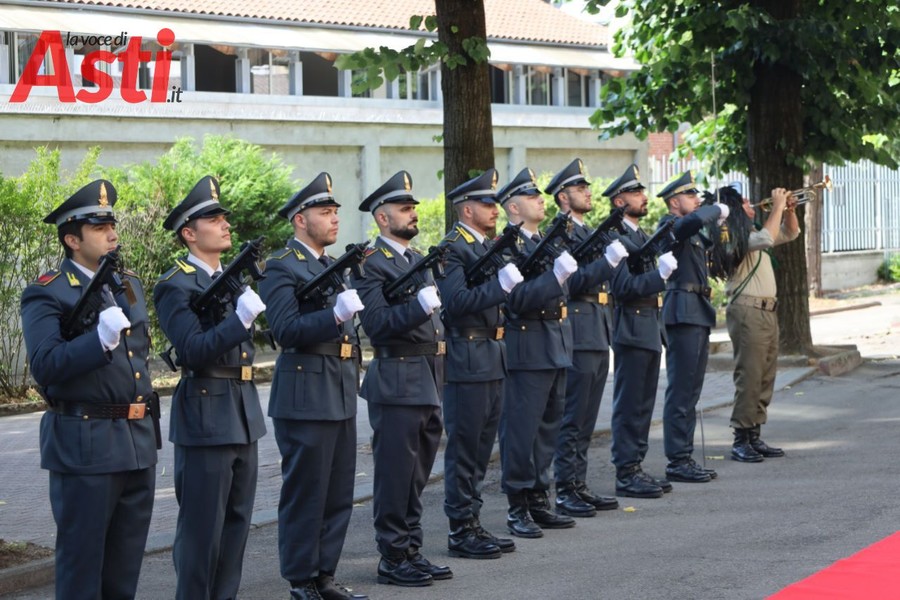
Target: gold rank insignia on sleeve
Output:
{"points": [[73, 279]]}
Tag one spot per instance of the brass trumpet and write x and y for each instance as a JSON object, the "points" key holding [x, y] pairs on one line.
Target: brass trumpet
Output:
{"points": [[802, 196]]}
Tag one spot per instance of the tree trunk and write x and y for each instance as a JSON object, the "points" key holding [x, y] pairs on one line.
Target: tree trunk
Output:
{"points": [[774, 136], [468, 133]]}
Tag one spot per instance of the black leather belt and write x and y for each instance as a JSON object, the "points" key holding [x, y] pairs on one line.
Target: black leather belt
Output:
{"points": [[341, 350], [546, 314], [477, 333], [650, 302], [242, 373], [694, 288], [598, 298], [88, 410], [432, 349]]}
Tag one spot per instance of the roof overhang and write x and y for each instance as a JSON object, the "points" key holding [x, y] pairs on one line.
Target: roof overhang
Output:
{"points": [[279, 35]]}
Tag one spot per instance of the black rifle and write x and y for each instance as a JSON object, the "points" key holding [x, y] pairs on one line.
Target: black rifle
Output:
{"points": [[496, 257], [331, 280], [227, 286], [87, 309], [554, 242], [410, 282], [643, 260], [591, 248]]}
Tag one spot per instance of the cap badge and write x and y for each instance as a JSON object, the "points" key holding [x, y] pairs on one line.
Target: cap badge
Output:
{"points": [[212, 190], [407, 184], [104, 201]]}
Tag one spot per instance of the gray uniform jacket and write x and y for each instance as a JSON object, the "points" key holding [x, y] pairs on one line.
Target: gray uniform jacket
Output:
{"points": [[81, 370], [307, 385], [207, 411], [479, 307], [682, 305], [406, 380]]}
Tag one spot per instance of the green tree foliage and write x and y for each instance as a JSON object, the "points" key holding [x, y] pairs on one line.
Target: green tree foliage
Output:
{"points": [[29, 248], [846, 54], [796, 82]]}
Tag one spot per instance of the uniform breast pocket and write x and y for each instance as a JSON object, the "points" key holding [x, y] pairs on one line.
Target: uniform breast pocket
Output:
{"points": [[401, 377], [86, 441], [206, 406]]}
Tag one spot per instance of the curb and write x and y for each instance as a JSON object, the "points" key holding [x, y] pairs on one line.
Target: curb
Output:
{"points": [[29, 575]]}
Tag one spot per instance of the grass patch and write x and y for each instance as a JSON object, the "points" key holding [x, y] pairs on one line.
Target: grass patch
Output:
{"points": [[17, 553]]}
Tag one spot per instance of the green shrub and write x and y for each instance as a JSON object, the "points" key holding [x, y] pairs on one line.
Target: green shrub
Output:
{"points": [[29, 248], [890, 269], [253, 186]]}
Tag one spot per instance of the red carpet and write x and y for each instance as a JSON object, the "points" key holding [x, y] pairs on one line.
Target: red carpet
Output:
{"points": [[873, 573]]}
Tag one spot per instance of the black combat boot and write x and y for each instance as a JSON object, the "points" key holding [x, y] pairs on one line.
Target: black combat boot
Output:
{"points": [[505, 544], [597, 501], [741, 450], [632, 482], [464, 541], [539, 507], [305, 590], [760, 446], [518, 519], [568, 502]]}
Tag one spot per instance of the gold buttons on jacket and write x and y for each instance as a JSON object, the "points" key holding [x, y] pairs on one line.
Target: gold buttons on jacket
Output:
{"points": [[137, 375], [130, 354], [128, 332], [243, 355]]}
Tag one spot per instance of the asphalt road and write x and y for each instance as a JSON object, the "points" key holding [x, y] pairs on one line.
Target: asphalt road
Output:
{"points": [[754, 530]]}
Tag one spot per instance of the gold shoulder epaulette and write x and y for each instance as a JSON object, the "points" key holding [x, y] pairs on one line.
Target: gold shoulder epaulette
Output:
{"points": [[48, 277], [371, 251], [470, 239], [280, 253]]}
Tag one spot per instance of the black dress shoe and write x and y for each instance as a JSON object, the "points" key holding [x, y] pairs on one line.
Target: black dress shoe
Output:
{"points": [[636, 484], [520, 523], [664, 484], [437, 572], [568, 502], [687, 471], [305, 591], [506, 545], [598, 502], [763, 448], [401, 572], [464, 542], [539, 507], [331, 590]]}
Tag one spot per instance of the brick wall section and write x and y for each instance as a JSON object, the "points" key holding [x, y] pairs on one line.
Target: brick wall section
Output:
{"points": [[661, 145]]}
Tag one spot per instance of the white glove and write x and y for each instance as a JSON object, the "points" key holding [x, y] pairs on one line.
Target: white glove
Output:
{"points": [[564, 266], [667, 265], [428, 298], [249, 305], [724, 210], [510, 277], [347, 305], [615, 252], [112, 322]]}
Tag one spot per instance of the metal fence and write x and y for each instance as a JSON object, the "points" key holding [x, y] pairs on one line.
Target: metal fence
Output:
{"points": [[662, 171], [862, 212]]}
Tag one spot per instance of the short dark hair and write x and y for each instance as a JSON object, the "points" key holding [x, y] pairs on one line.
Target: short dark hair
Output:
{"points": [[192, 225], [65, 229]]}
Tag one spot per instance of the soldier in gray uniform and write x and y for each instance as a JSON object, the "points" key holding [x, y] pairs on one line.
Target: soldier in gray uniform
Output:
{"points": [[591, 327], [313, 398], [637, 345], [216, 418], [539, 350], [402, 386], [476, 366], [688, 317], [97, 436]]}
